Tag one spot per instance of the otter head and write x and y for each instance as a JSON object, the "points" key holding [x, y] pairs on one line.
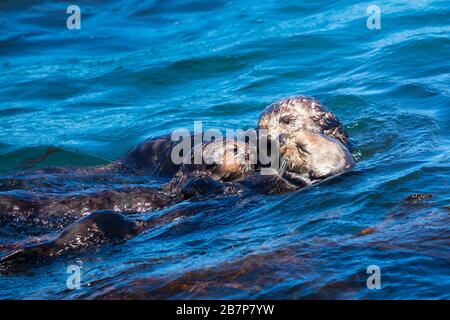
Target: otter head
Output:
{"points": [[313, 144], [223, 160], [287, 116]]}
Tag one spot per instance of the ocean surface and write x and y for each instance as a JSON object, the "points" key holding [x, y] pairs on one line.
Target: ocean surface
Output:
{"points": [[139, 69]]}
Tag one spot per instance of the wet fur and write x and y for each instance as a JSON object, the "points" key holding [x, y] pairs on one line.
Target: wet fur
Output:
{"points": [[314, 149], [307, 113]]}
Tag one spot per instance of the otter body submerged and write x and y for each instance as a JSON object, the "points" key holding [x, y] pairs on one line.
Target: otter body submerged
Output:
{"points": [[313, 148]]}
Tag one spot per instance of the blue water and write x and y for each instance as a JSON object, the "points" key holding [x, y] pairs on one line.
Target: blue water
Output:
{"points": [[138, 69]]}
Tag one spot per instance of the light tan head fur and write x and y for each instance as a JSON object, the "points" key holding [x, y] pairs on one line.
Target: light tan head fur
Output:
{"points": [[301, 113], [313, 143]]}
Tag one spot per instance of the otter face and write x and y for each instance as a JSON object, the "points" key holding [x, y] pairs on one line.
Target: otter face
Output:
{"points": [[315, 156], [223, 160], [293, 114], [312, 140]]}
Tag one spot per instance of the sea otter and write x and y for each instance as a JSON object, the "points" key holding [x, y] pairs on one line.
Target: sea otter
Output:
{"points": [[314, 146], [221, 161], [227, 167]]}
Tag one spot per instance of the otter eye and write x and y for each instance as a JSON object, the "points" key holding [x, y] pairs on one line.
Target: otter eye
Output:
{"points": [[287, 120]]}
